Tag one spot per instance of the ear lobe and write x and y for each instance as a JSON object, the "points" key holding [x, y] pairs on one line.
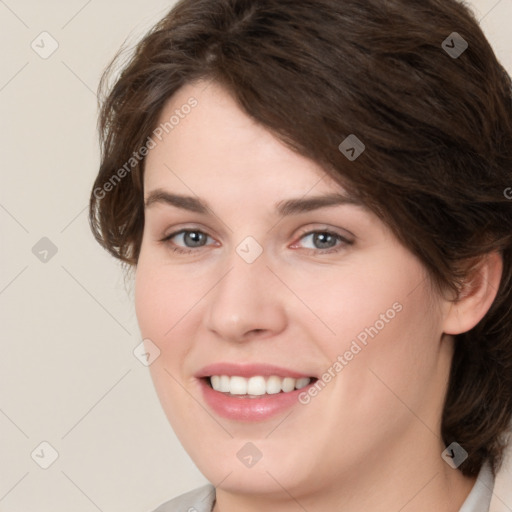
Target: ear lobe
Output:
{"points": [[476, 296]]}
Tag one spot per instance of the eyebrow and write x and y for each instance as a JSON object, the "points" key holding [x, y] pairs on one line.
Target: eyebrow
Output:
{"points": [[283, 208]]}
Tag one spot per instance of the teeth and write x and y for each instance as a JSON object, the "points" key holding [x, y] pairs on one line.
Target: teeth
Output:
{"points": [[215, 382], [238, 386], [257, 385], [274, 385], [302, 383], [224, 383], [288, 384]]}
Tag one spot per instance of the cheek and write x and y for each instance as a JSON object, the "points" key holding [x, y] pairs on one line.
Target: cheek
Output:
{"points": [[385, 323], [397, 367], [361, 300], [151, 302], [163, 294], [160, 306], [167, 305]]}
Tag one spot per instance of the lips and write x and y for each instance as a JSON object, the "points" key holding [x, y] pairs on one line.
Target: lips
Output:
{"points": [[251, 392]]}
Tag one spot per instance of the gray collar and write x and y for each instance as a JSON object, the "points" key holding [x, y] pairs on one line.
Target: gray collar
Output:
{"points": [[479, 499]]}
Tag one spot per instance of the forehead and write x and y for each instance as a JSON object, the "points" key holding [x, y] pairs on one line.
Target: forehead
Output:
{"points": [[216, 143]]}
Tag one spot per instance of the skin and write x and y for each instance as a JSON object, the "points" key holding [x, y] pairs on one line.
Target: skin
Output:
{"points": [[370, 440]]}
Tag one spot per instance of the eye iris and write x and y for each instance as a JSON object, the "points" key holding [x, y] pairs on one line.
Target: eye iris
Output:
{"points": [[324, 238], [321, 240], [193, 238]]}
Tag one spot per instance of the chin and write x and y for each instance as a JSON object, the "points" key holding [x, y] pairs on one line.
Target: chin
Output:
{"points": [[270, 474]]}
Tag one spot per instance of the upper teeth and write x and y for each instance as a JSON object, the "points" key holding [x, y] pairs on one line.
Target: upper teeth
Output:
{"points": [[256, 385]]}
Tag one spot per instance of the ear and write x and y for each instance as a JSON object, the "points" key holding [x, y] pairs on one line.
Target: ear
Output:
{"points": [[476, 296]]}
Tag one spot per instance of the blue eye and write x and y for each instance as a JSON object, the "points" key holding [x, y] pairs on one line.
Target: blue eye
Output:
{"points": [[186, 240], [326, 241], [192, 238]]}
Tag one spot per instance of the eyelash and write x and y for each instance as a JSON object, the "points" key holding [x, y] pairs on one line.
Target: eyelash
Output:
{"points": [[340, 238]]}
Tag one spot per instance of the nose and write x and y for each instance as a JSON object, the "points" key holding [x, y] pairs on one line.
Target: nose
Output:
{"points": [[248, 302]]}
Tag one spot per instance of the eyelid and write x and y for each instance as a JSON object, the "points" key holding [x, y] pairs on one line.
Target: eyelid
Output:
{"points": [[187, 227], [180, 231], [343, 242], [342, 233]]}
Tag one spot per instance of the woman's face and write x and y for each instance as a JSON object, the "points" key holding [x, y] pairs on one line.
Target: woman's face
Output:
{"points": [[272, 276]]}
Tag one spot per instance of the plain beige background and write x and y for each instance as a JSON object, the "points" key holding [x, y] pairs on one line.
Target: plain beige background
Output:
{"points": [[68, 375]]}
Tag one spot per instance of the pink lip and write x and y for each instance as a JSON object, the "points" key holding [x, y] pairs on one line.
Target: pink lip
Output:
{"points": [[246, 409], [248, 370], [249, 409]]}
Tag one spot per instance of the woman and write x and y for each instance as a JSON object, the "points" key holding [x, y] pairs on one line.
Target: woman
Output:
{"points": [[312, 195]]}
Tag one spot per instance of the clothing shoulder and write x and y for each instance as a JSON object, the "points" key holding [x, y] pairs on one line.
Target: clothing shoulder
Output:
{"points": [[201, 499], [479, 499]]}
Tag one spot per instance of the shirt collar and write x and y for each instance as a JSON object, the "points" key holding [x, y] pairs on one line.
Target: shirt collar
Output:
{"points": [[479, 499]]}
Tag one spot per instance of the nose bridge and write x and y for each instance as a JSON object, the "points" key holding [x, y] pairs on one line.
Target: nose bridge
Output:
{"points": [[246, 298]]}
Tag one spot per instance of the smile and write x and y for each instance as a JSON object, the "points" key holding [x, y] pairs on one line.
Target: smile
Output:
{"points": [[257, 385]]}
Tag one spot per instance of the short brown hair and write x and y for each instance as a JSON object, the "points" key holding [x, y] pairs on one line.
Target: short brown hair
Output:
{"points": [[437, 130]]}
